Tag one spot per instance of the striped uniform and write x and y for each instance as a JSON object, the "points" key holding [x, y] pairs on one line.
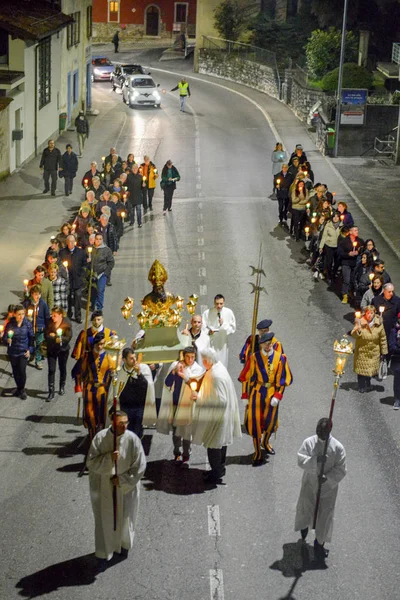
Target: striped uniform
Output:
{"points": [[267, 376], [245, 354], [95, 372]]}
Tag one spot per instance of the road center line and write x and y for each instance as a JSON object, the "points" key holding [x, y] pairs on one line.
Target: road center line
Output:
{"points": [[216, 584], [214, 522]]}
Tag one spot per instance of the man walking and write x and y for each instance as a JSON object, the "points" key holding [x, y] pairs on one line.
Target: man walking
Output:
{"points": [[169, 177], [103, 462], [134, 184], [69, 164], [103, 263], [219, 322], [309, 458], [348, 250], [50, 163], [76, 259], [149, 175], [115, 41], [82, 130], [184, 92], [282, 183]]}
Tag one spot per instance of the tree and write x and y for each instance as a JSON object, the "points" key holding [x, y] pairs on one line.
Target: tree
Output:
{"points": [[353, 77], [230, 19], [323, 51]]}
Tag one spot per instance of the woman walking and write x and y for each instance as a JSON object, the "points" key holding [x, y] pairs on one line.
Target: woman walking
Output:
{"points": [[278, 158], [169, 177], [300, 198], [57, 336], [371, 344], [20, 341]]}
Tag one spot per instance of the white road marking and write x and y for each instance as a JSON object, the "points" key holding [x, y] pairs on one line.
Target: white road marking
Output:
{"points": [[216, 584], [200, 242], [200, 205], [214, 522], [202, 255], [200, 228], [326, 158], [202, 272], [203, 290]]}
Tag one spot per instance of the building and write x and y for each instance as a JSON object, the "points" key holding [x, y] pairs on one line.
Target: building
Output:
{"points": [[44, 58], [138, 19]]}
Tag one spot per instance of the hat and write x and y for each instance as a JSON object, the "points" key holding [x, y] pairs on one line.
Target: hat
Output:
{"points": [[266, 337], [264, 324], [96, 313], [99, 337], [299, 147], [85, 207]]}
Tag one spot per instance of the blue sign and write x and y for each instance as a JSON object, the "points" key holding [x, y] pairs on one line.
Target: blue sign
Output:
{"points": [[353, 103]]}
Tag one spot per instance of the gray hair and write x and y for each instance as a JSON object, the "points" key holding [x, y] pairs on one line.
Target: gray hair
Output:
{"points": [[95, 178], [388, 286], [93, 163], [90, 193], [210, 355]]}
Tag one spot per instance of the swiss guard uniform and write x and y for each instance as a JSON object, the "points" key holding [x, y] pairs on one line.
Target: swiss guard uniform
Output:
{"points": [[267, 375]]}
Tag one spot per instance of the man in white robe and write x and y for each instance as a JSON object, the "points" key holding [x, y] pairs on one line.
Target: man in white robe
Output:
{"points": [[200, 339], [216, 420], [135, 393], [219, 322], [176, 410], [131, 465], [309, 458]]}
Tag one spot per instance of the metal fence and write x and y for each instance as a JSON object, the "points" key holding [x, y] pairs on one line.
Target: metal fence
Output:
{"points": [[244, 52]]}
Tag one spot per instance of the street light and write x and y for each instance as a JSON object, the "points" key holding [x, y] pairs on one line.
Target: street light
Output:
{"points": [[340, 79]]}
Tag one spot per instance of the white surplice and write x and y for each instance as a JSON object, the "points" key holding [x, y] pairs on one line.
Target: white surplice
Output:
{"points": [[216, 420], [202, 343], [219, 339], [150, 412], [335, 470], [131, 467], [180, 416]]}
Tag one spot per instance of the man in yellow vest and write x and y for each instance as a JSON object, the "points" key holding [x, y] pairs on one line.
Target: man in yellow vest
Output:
{"points": [[184, 91]]}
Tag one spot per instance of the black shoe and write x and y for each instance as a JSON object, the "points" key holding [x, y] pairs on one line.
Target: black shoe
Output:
{"points": [[53, 193], [361, 390], [45, 191], [66, 194], [319, 551], [169, 210], [109, 284], [50, 395], [61, 391], [124, 553], [79, 321], [304, 533], [102, 565], [23, 395], [140, 225], [269, 450]]}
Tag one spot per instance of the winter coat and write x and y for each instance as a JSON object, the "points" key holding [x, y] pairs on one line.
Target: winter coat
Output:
{"points": [[82, 124], [164, 177], [69, 164], [369, 296], [134, 184], [103, 260], [40, 311], [54, 347], [371, 343], [22, 340], [361, 279], [76, 266], [151, 175], [109, 236], [330, 236], [300, 202], [51, 159], [278, 158], [285, 181], [345, 247]]}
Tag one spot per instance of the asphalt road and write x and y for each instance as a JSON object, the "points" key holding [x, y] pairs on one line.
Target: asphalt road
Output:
{"points": [[220, 215]]}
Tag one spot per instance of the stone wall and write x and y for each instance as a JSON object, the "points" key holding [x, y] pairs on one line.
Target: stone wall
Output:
{"points": [[103, 32], [246, 72]]}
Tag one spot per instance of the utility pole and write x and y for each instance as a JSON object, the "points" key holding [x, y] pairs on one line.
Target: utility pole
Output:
{"points": [[340, 79]]}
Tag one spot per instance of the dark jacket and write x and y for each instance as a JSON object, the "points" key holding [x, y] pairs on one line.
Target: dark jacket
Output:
{"points": [[134, 185], [285, 181], [348, 220], [76, 266], [69, 164], [98, 192], [23, 338], [346, 246], [394, 342], [41, 313], [82, 124], [88, 176], [361, 279], [164, 177], [108, 159], [107, 178], [53, 347], [392, 309], [51, 161], [109, 236], [302, 158], [103, 260]]}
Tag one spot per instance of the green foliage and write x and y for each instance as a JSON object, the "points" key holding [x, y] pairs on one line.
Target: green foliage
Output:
{"points": [[353, 77], [323, 51], [285, 39], [229, 19], [396, 98]]}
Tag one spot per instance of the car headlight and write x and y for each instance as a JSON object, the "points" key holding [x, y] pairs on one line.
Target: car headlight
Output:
{"points": [[157, 96], [96, 72], [134, 94]]}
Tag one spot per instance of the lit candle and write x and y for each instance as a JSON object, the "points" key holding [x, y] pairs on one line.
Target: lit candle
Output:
{"points": [[26, 281], [123, 215], [193, 386], [1, 330], [371, 276], [10, 336], [374, 256], [305, 173], [307, 231], [59, 334], [144, 178], [30, 313], [155, 171], [354, 245], [53, 237], [65, 263], [85, 182], [357, 314], [381, 309], [308, 206], [313, 219], [73, 227], [103, 158], [90, 250], [278, 182], [342, 217]]}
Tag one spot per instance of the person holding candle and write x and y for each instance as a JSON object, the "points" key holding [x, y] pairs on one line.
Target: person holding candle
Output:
{"points": [[362, 279], [60, 287], [376, 288], [109, 233], [87, 178], [19, 338], [282, 182], [278, 158], [268, 374], [149, 175], [76, 265], [328, 246], [109, 157], [38, 313], [299, 198], [176, 409], [394, 350], [345, 216], [169, 177], [379, 269], [135, 200], [370, 246], [103, 264], [97, 187], [199, 339], [348, 250], [107, 175], [370, 346], [298, 154], [46, 288], [390, 303], [57, 335]]}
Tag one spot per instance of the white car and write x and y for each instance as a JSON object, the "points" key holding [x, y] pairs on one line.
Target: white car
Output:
{"points": [[140, 90]]}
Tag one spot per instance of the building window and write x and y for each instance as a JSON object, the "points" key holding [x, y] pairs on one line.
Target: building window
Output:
{"points": [[181, 12], [75, 88], [89, 22], [44, 79], [113, 11], [74, 31]]}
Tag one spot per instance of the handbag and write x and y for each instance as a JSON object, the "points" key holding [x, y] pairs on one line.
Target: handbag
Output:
{"points": [[383, 369], [61, 174]]}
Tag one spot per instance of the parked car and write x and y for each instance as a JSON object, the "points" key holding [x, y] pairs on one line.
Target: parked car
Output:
{"points": [[102, 68], [121, 72], [140, 90]]}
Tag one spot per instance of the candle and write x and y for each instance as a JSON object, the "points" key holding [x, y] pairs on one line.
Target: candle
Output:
{"points": [[313, 219], [305, 173], [26, 281], [307, 231], [308, 206], [73, 227], [1, 329], [123, 215], [155, 171], [381, 309], [357, 314], [59, 333], [30, 313], [65, 263], [354, 245], [193, 386], [374, 256], [278, 182], [342, 217], [10, 336], [371, 276], [103, 158], [144, 178], [90, 250], [53, 237], [85, 182]]}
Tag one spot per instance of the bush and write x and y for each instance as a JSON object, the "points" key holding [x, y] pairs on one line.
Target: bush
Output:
{"points": [[230, 19], [323, 51], [353, 77]]}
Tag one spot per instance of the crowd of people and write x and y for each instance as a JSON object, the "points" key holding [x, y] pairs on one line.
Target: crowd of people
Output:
{"points": [[341, 257]]}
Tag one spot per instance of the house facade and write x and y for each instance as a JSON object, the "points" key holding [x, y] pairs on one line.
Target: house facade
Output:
{"points": [[138, 19]]}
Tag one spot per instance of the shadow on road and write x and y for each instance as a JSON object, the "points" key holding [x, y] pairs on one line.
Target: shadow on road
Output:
{"points": [[171, 478], [69, 573]]}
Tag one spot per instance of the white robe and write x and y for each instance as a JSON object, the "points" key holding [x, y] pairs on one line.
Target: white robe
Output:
{"points": [[202, 343], [150, 412], [335, 470], [180, 416], [216, 420], [131, 468], [219, 339]]}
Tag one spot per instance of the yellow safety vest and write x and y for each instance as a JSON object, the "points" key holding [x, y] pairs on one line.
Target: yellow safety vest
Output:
{"points": [[183, 88]]}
